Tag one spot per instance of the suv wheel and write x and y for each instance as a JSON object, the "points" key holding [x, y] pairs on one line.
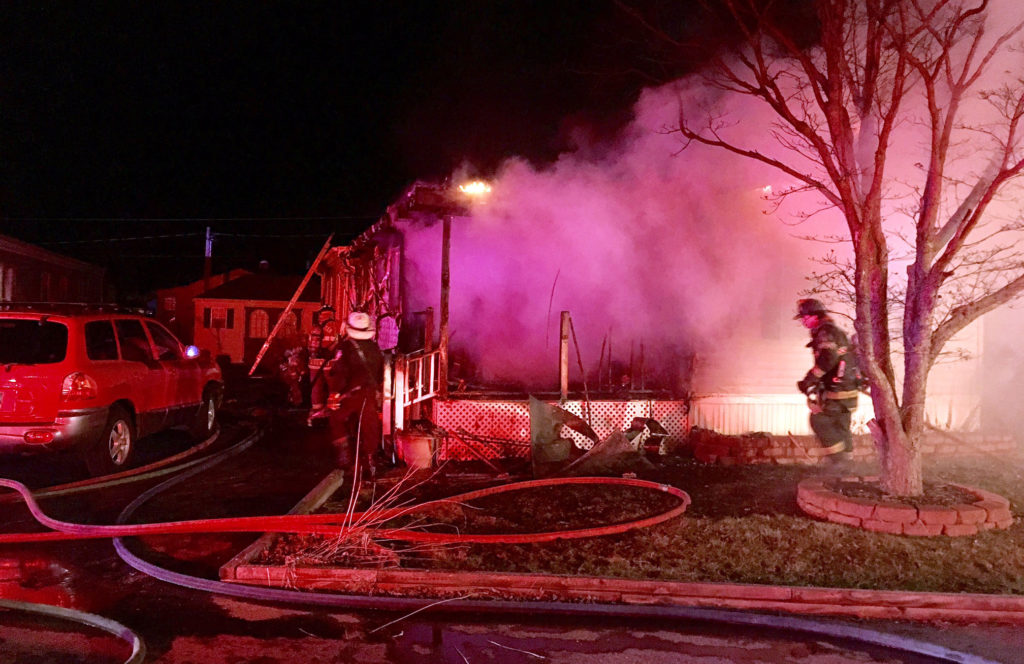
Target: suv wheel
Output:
{"points": [[114, 450], [206, 419]]}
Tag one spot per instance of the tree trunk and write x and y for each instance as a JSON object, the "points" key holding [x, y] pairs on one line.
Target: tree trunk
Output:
{"points": [[896, 428], [902, 464]]}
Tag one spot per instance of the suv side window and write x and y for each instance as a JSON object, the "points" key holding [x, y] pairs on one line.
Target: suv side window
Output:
{"points": [[134, 344], [99, 340], [167, 346]]}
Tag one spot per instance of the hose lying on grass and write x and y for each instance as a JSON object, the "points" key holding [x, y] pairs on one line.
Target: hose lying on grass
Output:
{"points": [[328, 524]]}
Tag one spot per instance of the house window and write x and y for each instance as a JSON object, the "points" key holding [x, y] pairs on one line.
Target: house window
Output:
{"points": [[170, 303], [290, 326], [45, 292], [219, 318], [259, 324], [6, 283], [62, 289]]}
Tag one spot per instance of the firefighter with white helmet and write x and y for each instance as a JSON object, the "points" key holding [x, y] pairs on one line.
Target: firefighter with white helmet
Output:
{"points": [[831, 385], [354, 376]]}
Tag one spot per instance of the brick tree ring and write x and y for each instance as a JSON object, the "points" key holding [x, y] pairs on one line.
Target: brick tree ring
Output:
{"points": [[989, 510]]}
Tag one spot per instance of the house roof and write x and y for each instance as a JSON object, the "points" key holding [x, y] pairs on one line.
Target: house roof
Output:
{"points": [[197, 284], [16, 246], [264, 286]]}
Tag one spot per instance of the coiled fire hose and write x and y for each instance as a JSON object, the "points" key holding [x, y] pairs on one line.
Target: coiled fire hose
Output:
{"points": [[328, 524], [385, 603]]}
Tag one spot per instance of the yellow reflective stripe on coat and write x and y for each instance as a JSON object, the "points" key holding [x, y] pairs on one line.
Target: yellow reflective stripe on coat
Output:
{"points": [[848, 394]]}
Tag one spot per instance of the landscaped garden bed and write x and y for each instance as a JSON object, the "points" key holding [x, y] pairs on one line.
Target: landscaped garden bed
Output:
{"points": [[744, 526], [943, 509]]}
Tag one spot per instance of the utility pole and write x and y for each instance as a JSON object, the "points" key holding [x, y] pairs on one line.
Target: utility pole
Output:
{"points": [[207, 262]]}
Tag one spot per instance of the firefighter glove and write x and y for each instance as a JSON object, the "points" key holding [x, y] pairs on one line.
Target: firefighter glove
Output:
{"points": [[806, 385]]}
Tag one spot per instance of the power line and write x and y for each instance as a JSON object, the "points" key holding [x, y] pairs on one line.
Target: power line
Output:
{"points": [[319, 235], [123, 239], [334, 217], [216, 234]]}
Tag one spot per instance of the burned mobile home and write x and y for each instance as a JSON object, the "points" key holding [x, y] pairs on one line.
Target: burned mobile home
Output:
{"points": [[477, 315]]}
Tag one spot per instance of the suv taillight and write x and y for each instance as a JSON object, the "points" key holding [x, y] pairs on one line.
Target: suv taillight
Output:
{"points": [[78, 387]]}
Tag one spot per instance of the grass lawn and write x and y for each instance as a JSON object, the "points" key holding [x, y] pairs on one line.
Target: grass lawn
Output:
{"points": [[743, 526]]}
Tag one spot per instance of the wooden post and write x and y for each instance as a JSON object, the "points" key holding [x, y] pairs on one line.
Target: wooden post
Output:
{"points": [[563, 357], [428, 330], [446, 246], [611, 378], [643, 381], [632, 368]]}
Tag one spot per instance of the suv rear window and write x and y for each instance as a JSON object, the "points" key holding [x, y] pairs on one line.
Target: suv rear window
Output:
{"points": [[32, 341]]}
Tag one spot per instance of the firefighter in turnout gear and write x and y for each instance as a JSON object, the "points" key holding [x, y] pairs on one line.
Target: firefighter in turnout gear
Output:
{"points": [[832, 383], [354, 374]]}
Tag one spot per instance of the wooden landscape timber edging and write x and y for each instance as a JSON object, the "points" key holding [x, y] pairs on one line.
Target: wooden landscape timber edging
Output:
{"points": [[880, 604], [876, 604], [311, 501], [989, 511]]}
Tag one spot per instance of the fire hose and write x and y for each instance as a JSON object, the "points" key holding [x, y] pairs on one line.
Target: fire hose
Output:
{"points": [[348, 601], [167, 466], [328, 524], [112, 627]]}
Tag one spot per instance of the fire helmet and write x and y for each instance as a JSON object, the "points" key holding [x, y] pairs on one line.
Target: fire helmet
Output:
{"points": [[809, 307], [359, 326]]}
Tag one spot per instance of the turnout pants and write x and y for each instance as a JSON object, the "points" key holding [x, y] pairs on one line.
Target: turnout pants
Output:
{"points": [[832, 424], [356, 419]]}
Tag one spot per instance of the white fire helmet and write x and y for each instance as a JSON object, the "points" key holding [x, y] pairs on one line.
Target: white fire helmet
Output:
{"points": [[359, 326]]}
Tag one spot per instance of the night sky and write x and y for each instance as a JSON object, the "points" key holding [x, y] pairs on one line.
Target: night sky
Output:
{"points": [[277, 123]]}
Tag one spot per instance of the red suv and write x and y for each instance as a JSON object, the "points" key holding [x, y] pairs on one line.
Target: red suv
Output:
{"points": [[97, 379]]}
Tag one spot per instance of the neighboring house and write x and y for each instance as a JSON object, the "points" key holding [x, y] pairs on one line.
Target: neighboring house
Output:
{"points": [[32, 274], [236, 318], [174, 306]]}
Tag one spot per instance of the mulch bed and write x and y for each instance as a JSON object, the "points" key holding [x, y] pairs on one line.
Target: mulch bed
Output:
{"points": [[935, 493], [545, 509]]}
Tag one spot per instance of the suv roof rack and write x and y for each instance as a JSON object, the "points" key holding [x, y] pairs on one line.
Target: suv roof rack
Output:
{"points": [[76, 307]]}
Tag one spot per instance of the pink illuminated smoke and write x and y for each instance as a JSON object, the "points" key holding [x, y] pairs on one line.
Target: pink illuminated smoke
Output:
{"points": [[643, 246]]}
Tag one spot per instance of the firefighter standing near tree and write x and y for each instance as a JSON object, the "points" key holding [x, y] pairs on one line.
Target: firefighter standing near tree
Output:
{"points": [[354, 374], [831, 384]]}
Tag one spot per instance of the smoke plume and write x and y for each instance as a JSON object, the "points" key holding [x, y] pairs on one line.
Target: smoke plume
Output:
{"points": [[644, 244]]}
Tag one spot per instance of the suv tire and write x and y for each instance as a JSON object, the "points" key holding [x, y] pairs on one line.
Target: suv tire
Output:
{"points": [[114, 449], [205, 421]]}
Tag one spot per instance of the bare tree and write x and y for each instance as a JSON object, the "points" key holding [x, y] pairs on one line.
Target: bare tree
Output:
{"points": [[878, 70]]}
